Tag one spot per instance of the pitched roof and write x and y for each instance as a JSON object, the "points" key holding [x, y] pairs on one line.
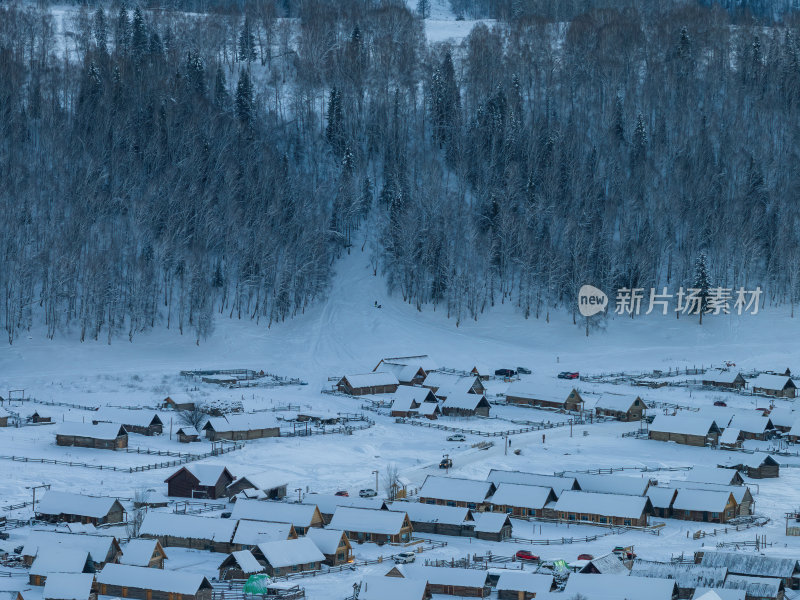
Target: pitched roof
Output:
{"points": [[392, 588], [99, 546], [618, 587], [68, 586], [559, 484], [490, 522], [537, 390], [686, 576], [403, 373], [327, 540], [783, 416], [286, 553], [328, 503], [465, 401], [299, 515], [704, 593], [739, 491], [527, 496], [450, 381], [376, 378], [242, 422], [754, 460], [445, 575], [429, 408], [206, 474], [617, 402], [176, 582], [753, 422], [730, 436], [188, 430], [250, 533], [418, 512], [247, 562], [701, 500], [616, 505], [138, 552], [158, 524], [685, 424], [705, 474], [453, 488], [728, 377], [612, 484], [755, 587], [262, 480], [67, 503], [661, 497], [522, 581], [425, 361], [609, 564], [127, 416], [55, 560], [771, 382], [405, 403], [101, 431], [387, 522], [751, 564]]}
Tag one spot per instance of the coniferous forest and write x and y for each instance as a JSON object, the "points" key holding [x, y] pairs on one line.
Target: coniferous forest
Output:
{"points": [[165, 163]]}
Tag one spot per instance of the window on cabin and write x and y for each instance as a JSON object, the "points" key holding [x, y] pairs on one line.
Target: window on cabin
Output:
{"points": [[627, 522], [571, 517], [295, 568], [450, 503], [715, 515], [603, 520], [430, 501], [584, 517]]}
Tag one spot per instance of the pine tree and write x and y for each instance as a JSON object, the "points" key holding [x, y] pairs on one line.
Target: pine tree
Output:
{"points": [[244, 97], [702, 282], [247, 43], [424, 8], [122, 37], [100, 30], [334, 132], [618, 122], [196, 73], [138, 35], [221, 98], [639, 150]]}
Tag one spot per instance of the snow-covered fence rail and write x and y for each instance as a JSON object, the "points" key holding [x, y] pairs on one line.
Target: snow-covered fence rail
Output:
{"points": [[756, 521], [477, 431], [67, 404], [347, 429], [11, 507], [611, 470]]}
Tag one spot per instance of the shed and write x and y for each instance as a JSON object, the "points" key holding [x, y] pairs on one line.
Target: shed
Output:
{"points": [[104, 436], [4, 416], [755, 466], [377, 382], [685, 429], [731, 438], [65, 506], [732, 380], [604, 509], [198, 480], [289, 556], [466, 405], [333, 543], [494, 527], [608, 564], [273, 486], [69, 586], [145, 422], [240, 565], [391, 588], [369, 525], [250, 426], [189, 531], [780, 386], [530, 393], [442, 520], [142, 583], [521, 500], [521, 585], [301, 516], [622, 408], [453, 491], [445, 580], [178, 402], [187, 434], [37, 417], [144, 553], [753, 425]]}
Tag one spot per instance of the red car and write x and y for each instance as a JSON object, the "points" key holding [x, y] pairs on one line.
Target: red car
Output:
{"points": [[585, 557], [342, 493], [719, 403], [574, 375], [526, 555]]}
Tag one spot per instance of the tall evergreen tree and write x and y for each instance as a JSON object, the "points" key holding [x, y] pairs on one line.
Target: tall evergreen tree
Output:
{"points": [[247, 43], [244, 97], [424, 8], [221, 97], [139, 41], [100, 30], [334, 131], [702, 282], [122, 34]]}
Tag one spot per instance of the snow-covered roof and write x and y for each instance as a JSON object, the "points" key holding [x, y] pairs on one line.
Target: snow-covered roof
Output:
{"points": [[615, 505], [559, 484], [402, 372], [161, 580], [728, 377], [386, 522], [445, 575], [701, 500], [99, 546], [618, 587], [539, 390], [285, 553], [755, 587], [126, 416], [608, 564], [751, 564], [521, 581], [611, 484], [425, 361], [101, 431], [661, 497], [751, 422], [327, 540], [188, 430], [418, 512], [242, 422], [247, 562], [299, 515], [783, 416], [771, 382], [138, 552], [464, 400], [686, 576], [67, 503], [754, 460], [376, 378], [263, 480], [76, 527], [739, 491], [685, 424], [250, 533], [704, 474], [730, 436], [451, 381], [617, 402], [376, 587], [206, 474], [328, 503], [68, 586], [795, 430], [453, 488], [55, 560], [405, 403], [187, 526], [526, 496], [490, 522], [704, 593], [428, 408]]}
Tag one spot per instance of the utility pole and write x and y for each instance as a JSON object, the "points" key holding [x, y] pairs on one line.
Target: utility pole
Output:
{"points": [[505, 445], [45, 486], [376, 480], [299, 491]]}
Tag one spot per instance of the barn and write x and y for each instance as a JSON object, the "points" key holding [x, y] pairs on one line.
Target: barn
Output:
{"points": [[603, 509], [731, 380], [104, 436], [144, 553], [189, 531], [684, 429], [622, 408], [521, 500], [196, 480], [377, 382], [141, 583], [453, 491], [442, 520], [369, 525], [64, 506], [266, 482], [333, 544], [187, 434], [708, 506], [239, 565], [144, 422], [755, 466], [301, 516], [466, 405], [289, 556], [530, 393], [469, 583], [234, 427], [779, 386]]}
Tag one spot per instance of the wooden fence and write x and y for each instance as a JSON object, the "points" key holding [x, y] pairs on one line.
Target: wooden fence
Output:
{"points": [[758, 521], [539, 427]]}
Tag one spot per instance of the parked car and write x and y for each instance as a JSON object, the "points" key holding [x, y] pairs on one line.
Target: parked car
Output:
{"points": [[719, 403], [456, 437], [624, 553], [585, 557], [564, 375], [526, 555], [573, 375], [505, 372], [402, 558], [226, 515], [523, 370], [446, 463], [342, 493], [367, 493]]}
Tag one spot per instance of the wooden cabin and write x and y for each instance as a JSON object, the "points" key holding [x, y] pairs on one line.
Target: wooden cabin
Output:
{"points": [[708, 506], [251, 533], [333, 544], [453, 491], [377, 382], [105, 436], [144, 553], [662, 499], [441, 520], [141, 583], [408, 400], [528, 393], [622, 408], [144, 422], [189, 531], [520, 500], [369, 525], [102, 548], [731, 380], [178, 402], [423, 360], [234, 427], [685, 429], [408, 374], [4, 416], [779, 386], [56, 560], [754, 565], [69, 586], [265, 482], [444, 384], [492, 527], [77, 508], [466, 405], [603, 509], [38, 417], [752, 425], [198, 480], [289, 556], [328, 503], [755, 466], [523, 585], [470, 583], [240, 564], [611, 484], [301, 516], [187, 434], [556, 483]]}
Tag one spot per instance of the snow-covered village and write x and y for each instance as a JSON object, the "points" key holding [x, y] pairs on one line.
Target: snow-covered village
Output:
{"points": [[399, 300]]}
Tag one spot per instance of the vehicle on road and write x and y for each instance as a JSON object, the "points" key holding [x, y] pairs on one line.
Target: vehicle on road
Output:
{"points": [[367, 493], [457, 437], [446, 463], [526, 555], [402, 558], [505, 372], [564, 375], [342, 493], [585, 557], [719, 403], [523, 370]]}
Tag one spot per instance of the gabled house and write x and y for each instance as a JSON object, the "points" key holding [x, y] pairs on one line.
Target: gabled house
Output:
{"points": [[64, 506], [333, 544], [250, 426], [688, 578], [377, 382], [55, 560], [520, 500], [144, 553], [411, 397], [369, 525], [273, 487], [189, 531], [144, 422], [301, 516], [452, 491], [558, 484], [622, 408], [684, 429], [662, 499], [187, 434], [780, 386], [240, 564], [493, 527], [198, 480], [522, 585], [141, 583], [755, 466], [446, 580], [289, 556], [102, 548], [757, 588], [328, 503], [731, 380], [442, 520], [530, 393], [603, 509], [754, 565], [465, 404], [251, 533], [423, 360], [69, 586], [444, 384], [741, 493], [407, 374], [709, 506], [753, 426], [103, 436], [701, 474], [608, 564], [178, 401]]}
